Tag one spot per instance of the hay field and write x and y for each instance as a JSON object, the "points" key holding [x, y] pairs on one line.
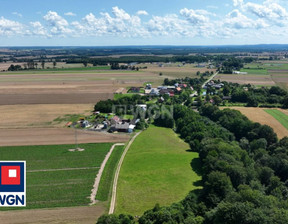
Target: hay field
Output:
{"points": [[259, 115]]}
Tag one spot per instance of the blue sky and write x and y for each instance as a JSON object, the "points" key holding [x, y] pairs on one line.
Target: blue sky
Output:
{"points": [[149, 22]]}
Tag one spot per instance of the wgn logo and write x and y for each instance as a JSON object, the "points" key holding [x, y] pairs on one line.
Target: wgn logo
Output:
{"points": [[12, 183]]}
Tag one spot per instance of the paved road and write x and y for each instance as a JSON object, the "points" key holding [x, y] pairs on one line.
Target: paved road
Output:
{"points": [[113, 198], [212, 77], [195, 92]]}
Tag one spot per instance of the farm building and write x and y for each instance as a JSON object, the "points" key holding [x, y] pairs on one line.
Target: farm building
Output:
{"points": [[122, 127], [240, 73]]}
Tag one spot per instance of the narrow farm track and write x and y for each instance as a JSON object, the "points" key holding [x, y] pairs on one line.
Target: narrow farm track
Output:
{"points": [[114, 190], [98, 176]]}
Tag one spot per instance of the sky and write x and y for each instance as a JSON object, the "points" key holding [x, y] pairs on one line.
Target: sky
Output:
{"points": [[145, 22]]}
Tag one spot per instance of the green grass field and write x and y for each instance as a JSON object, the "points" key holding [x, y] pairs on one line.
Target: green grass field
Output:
{"points": [[47, 187], [279, 116], [255, 71], [156, 169]]}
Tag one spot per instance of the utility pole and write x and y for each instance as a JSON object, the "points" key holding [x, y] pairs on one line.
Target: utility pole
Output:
{"points": [[76, 143]]}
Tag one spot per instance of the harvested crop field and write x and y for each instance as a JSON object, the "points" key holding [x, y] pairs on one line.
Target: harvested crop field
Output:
{"points": [[176, 70], [259, 115], [73, 215], [264, 80], [53, 136], [39, 115], [69, 87]]}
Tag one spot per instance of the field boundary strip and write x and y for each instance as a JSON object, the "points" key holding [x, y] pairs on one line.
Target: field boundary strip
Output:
{"points": [[279, 116], [114, 189], [99, 174], [64, 169]]}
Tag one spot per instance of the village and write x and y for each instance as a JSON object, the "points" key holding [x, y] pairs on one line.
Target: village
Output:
{"points": [[115, 122]]}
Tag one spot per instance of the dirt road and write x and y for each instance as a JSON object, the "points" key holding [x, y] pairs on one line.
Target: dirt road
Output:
{"points": [[114, 189]]}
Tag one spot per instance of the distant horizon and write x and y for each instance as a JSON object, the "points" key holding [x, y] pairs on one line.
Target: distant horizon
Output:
{"points": [[154, 45]]}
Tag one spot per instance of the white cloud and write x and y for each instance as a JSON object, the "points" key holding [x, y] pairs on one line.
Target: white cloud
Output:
{"points": [[169, 25], [270, 10], [142, 13], [245, 21], [9, 27], [39, 29], [69, 14], [195, 16], [120, 13], [237, 20], [120, 23], [237, 3], [59, 26]]}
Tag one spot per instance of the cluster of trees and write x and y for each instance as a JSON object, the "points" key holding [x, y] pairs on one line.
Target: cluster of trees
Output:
{"points": [[116, 66], [29, 65], [14, 68], [231, 64], [123, 103], [207, 73], [252, 96]]}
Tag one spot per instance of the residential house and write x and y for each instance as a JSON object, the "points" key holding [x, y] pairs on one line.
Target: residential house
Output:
{"points": [[154, 92]]}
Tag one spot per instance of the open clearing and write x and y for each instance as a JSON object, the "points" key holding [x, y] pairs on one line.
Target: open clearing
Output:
{"points": [[259, 115], [156, 169], [46, 136], [50, 186]]}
